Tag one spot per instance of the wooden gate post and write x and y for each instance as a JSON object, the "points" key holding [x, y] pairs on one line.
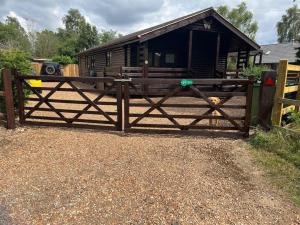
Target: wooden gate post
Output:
{"points": [[249, 104], [119, 106], [126, 106], [266, 98], [281, 81], [9, 101], [20, 90]]}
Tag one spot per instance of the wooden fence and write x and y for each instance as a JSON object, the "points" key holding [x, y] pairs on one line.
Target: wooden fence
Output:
{"points": [[7, 93], [287, 82], [70, 70]]}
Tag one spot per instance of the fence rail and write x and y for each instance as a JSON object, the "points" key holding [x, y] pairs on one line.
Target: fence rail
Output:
{"points": [[282, 104]]}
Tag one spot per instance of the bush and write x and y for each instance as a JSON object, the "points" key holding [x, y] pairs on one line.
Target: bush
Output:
{"points": [[16, 60], [255, 71], [63, 59]]}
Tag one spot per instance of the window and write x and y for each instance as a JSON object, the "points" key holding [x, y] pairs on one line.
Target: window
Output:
{"points": [[108, 58], [162, 59], [92, 62], [170, 58]]}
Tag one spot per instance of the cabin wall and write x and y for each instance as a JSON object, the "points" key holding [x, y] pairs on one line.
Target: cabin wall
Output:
{"points": [[204, 54]]}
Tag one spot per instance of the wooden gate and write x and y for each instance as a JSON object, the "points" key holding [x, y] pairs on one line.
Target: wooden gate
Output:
{"points": [[69, 102], [188, 105]]}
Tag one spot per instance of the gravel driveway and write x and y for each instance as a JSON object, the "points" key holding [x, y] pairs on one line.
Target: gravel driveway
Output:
{"points": [[69, 176]]}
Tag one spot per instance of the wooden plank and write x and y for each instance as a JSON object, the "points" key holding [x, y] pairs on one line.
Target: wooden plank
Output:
{"points": [[217, 50], [66, 79], [61, 119], [164, 69], [9, 101], [190, 49], [21, 96], [70, 101], [179, 116], [201, 106], [119, 124], [291, 67], [69, 111], [290, 102], [249, 105], [82, 126], [288, 109], [195, 81], [183, 127], [290, 89], [280, 85], [298, 97], [126, 105]]}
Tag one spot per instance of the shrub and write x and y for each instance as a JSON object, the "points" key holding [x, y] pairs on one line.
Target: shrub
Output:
{"points": [[255, 71], [63, 59], [16, 60]]}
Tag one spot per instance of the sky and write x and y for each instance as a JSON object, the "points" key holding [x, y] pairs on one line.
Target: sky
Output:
{"points": [[127, 16]]}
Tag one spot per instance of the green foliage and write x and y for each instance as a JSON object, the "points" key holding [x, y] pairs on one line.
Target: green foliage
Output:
{"points": [[13, 35], [231, 63], [77, 35], [46, 44], [255, 71], [279, 151], [288, 29], [108, 35], [16, 60], [240, 17], [63, 59]]}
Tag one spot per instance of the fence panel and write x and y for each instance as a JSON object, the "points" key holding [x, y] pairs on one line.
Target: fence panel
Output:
{"points": [[288, 82]]}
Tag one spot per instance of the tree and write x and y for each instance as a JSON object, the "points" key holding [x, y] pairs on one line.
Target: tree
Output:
{"points": [[46, 44], [108, 35], [77, 35], [13, 35], [240, 17], [288, 29]]}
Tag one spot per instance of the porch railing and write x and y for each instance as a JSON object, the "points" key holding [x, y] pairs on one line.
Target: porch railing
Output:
{"points": [[158, 72], [145, 72]]}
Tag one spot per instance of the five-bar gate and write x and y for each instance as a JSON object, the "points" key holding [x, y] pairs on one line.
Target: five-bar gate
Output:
{"points": [[180, 105]]}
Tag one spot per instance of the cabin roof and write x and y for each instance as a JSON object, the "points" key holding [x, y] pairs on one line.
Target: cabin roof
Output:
{"points": [[163, 28], [274, 52]]}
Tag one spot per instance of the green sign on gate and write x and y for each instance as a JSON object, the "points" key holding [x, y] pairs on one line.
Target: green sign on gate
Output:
{"points": [[186, 83]]}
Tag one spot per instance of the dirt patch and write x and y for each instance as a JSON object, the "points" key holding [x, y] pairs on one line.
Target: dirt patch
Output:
{"points": [[68, 176]]}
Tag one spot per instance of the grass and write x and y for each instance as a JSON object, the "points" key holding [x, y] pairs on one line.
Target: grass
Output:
{"points": [[279, 153]]}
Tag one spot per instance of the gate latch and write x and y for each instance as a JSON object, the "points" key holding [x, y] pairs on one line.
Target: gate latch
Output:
{"points": [[186, 83]]}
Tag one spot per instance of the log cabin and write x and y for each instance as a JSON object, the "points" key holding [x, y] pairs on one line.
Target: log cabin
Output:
{"points": [[193, 46]]}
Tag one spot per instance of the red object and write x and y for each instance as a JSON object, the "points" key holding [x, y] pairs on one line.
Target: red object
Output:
{"points": [[269, 82]]}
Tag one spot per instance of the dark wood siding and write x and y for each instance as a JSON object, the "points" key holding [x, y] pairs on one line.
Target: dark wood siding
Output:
{"points": [[203, 54], [118, 57]]}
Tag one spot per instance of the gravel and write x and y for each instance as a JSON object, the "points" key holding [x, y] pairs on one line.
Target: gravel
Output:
{"points": [[76, 176]]}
